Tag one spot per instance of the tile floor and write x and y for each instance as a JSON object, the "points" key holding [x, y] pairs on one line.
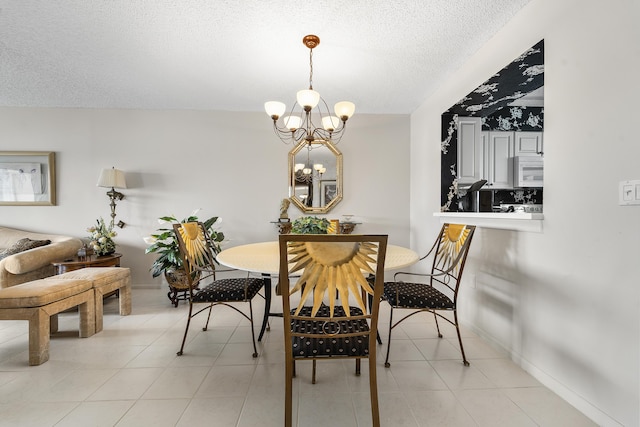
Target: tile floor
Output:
{"points": [[129, 375]]}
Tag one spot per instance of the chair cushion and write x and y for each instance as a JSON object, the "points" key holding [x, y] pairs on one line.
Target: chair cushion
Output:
{"points": [[330, 346], [23, 245], [416, 295], [229, 290], [41, 292]]}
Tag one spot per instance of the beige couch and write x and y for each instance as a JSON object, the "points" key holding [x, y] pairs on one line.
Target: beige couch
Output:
{"points": [[34, 263]]}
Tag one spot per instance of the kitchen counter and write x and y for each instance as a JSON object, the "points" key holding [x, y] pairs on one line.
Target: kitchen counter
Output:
{"points": [[519, 221]]}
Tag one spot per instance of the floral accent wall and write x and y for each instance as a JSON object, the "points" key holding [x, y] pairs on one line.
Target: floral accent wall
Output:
{"points": [[515, 119], [448, 162], [524, 75], [491, 102]]}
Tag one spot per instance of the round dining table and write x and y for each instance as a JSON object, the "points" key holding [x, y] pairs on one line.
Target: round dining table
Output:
{"points": [[264, 258]]}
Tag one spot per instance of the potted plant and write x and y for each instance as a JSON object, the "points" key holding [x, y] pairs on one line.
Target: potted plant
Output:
{"points": [[310, 225], [169, 262]]}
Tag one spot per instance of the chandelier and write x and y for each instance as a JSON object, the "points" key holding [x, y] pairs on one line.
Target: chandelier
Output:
{"points": [[298, 126]]}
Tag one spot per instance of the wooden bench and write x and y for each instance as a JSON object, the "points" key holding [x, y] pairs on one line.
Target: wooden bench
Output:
{"points": [[39, 302], [105, 280]]}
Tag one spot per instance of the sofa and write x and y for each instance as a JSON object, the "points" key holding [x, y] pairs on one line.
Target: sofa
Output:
{"points": [[27, 256]]}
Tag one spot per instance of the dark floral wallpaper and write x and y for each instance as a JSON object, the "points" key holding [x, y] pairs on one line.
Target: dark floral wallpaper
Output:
{"points": [[490, 101], [515, 119], [524, 75]]}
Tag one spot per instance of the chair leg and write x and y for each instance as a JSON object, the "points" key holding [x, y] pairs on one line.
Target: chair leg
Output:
{"points": [[186, 331], [464, 358], [206, 325], [358, 367], [437, 325], [373, 389], [386, 361], [313, 372], [288, 393], [253, 335]]}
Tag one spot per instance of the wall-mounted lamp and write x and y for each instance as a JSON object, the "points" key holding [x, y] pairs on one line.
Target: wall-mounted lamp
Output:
{"points": [[113, 178]]}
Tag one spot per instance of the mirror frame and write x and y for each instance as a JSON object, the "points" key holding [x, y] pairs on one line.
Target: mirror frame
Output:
{"points": [[292, 178], [47, 160]]}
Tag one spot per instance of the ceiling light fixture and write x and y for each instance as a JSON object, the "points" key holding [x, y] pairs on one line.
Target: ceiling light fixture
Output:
{"points": [[298, 126]]}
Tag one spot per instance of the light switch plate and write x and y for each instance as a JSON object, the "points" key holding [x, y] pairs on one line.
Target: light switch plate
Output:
{"points": [[629, 193]]}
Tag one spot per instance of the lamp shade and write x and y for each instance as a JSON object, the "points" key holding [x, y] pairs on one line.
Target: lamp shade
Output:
{"points": [[330, 123], [274, 109], [344, 109], [292, 122], [308, 98], [111, 178]]}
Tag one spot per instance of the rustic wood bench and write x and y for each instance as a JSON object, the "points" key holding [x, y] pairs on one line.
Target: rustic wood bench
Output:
{"points": [[39, 302]]}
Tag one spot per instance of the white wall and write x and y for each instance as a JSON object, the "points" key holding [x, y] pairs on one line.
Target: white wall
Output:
{"points": [[564, 302], [227, 163]]}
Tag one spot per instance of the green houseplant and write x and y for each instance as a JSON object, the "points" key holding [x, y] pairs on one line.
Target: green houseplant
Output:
{"points": [[169, 262], [310, 225]]}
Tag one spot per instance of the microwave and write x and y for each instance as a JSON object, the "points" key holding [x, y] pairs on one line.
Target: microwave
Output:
{"points": [[529, 171]]}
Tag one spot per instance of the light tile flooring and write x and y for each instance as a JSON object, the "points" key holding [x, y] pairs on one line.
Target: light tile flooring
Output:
{"points": [[129, 375]]}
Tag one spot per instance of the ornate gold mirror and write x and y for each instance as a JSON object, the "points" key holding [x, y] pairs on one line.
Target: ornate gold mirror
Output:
{"points": [[315, 176]]}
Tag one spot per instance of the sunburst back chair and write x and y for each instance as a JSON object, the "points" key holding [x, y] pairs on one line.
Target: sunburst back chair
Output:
{"points": [[323, 282], [435, 291], [200, 264]]}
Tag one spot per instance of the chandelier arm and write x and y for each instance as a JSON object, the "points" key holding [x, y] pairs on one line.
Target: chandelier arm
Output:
{"points": [[285, 135], [322, 134], [337, 137], [326, 107]]}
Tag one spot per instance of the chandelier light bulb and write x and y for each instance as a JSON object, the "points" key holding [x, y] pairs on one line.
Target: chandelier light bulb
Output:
{"points": [[330, 123], [292, 122], [308, 99], [274, 109], [344, 110], [318, 166]]}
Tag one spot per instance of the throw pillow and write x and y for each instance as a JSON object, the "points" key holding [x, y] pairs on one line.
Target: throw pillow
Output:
{"points": [[23, 245]]}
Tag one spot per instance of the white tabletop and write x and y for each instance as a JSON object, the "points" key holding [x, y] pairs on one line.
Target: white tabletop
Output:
{"points": [[264, 257]]}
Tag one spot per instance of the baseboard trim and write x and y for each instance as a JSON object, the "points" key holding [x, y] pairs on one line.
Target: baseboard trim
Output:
{"points": [[575, 400]]}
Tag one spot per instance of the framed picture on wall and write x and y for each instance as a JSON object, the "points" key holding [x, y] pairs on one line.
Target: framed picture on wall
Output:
{"points": [[27, 178], [328, 191]]}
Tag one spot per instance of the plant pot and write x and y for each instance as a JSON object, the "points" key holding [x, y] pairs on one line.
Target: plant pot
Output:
{"points": [[178, 285]]}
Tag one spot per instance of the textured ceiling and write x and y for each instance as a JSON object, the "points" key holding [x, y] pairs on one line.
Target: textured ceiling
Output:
{"points": [[386, 56]]}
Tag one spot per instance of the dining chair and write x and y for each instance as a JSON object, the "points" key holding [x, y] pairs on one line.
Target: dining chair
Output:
{"points": [[436, 291], [323, 283], [199, 262]]}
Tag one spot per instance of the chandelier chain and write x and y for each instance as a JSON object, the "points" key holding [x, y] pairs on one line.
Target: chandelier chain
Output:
{"points": [[310, 69]]}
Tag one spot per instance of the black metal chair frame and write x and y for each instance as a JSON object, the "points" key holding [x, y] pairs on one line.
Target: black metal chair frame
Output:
{"points": [[446, 274], [201, 273]]}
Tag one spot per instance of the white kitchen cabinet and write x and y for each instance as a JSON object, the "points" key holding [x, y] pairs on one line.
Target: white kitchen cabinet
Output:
{"points": [[491, 155], [499, 149], [470, 166], [528, 143]]}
